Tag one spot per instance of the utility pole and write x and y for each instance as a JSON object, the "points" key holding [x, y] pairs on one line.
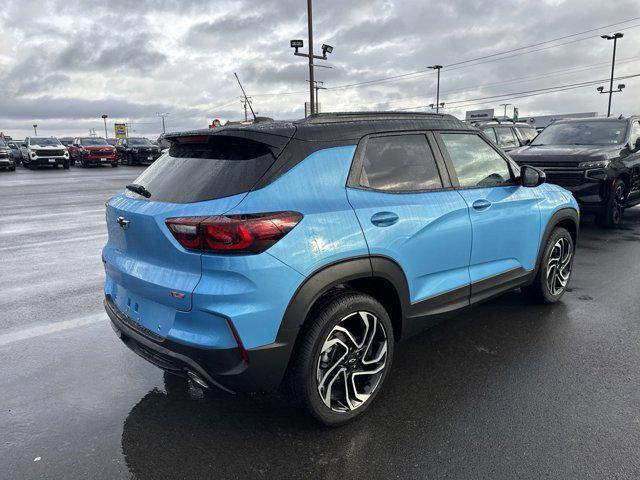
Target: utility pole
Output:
{"points": [[437, 68], [325, 49], [35, 131], [162, 115], [245, 101], [505, 105], [611, 91], [104, 117], [317, 85]]}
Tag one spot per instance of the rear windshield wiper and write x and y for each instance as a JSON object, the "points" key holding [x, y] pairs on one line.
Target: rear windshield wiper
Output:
{"points": [[139, 189]]}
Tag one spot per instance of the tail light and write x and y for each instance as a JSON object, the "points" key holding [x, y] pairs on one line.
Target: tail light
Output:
{"points": [[247, 233]]}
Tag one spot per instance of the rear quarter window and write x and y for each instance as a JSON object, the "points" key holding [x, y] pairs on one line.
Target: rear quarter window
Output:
{"points": [[222, 167]]}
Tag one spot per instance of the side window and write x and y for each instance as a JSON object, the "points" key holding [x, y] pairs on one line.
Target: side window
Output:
{"points": [[399, 163], [506, 137], [475, 162], [491, 133]]}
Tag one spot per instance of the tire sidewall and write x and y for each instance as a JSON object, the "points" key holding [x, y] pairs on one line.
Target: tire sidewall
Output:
{"points": [[556, 235], [333, 314]]}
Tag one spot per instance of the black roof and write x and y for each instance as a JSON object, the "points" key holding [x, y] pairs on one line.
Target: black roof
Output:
{"points": [[343, 126]]}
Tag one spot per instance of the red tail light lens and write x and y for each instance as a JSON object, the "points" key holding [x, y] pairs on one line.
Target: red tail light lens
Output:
{"points": [[248, 233]]}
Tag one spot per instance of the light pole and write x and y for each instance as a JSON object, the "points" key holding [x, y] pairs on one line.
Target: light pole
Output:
{"points": [[615, 38], [104, 117], [505, 105], [35, 131], [436, 107], [296, 44], [162, 115], [437, 68]]}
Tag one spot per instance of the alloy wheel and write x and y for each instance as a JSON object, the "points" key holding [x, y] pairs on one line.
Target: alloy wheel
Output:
{"points": [[618, 203], [559, 266], [352, 361]]}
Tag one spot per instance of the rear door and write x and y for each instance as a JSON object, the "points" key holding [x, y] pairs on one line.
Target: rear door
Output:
{"points": [[409, 213], [505, 215]]}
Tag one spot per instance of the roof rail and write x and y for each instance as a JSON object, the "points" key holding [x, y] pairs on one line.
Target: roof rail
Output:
{"points": [[373, 115]]}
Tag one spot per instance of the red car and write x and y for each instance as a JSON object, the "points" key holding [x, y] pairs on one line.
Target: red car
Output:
{"points": [[92, 151]]}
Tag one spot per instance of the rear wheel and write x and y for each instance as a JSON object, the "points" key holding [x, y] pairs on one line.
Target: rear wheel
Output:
{"points": [[614, 210], [343, 359], [555, 268]]}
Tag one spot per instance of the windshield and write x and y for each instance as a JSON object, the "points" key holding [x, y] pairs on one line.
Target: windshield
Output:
{"points": [[45, 142], [140, 142], [583, 133], [93, 142]]}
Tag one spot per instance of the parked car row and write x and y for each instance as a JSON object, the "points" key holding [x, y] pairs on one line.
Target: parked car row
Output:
{"points": [[36, 152]]}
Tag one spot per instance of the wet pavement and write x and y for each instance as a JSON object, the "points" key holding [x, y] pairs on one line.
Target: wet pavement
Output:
{"points": [[505, 390]]}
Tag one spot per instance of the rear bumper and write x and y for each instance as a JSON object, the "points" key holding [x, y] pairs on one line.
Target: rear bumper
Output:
{"points": [[222, 368]]}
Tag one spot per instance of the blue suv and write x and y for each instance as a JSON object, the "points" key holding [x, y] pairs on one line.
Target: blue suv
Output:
{"points": [[297, 254]]}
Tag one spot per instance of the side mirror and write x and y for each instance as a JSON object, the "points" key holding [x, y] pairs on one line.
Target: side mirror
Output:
{"points": [[531, 176]]}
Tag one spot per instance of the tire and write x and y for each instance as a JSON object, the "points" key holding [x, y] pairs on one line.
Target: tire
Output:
{"points": [[12, 168], [612, 215], [83, 163], [130, 161], [313, 372], [65, 165], [559, 249], [114, 164]]}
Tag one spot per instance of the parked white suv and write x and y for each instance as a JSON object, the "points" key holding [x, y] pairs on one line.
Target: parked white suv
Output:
{"points": [[41, 151]]}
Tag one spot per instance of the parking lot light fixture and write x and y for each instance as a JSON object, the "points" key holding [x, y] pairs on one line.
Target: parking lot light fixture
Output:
{"points": [[35, 129], [104, 117], [611, 91], [437, 68]]}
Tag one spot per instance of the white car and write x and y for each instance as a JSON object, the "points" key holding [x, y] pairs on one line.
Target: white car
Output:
{"points": [[41, 151]]}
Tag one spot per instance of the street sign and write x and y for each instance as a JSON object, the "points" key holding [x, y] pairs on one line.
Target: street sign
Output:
{"points": [[120, 130]]}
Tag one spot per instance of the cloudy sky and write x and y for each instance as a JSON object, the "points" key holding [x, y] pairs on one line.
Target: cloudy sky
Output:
{"points": [[64, 63]]}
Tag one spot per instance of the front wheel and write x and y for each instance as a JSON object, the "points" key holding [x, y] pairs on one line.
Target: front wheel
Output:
{"points": [[65, 165], [614, 210], [343, 359], [555, 268]]}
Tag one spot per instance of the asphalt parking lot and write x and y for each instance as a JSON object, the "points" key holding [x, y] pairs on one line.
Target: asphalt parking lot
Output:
{"points": [[504, 390]]}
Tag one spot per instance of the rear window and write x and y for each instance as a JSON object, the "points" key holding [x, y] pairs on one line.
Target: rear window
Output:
{"points": [[197, 172]]}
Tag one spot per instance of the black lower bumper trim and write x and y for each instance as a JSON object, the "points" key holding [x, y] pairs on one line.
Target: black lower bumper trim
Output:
{"points": [[223, 368]]}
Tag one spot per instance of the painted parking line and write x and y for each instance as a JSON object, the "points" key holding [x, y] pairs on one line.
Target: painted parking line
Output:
{"points": [[40, 330]]}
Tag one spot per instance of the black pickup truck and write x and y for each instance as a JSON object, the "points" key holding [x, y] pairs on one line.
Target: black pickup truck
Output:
{"points": [[597, 159]]}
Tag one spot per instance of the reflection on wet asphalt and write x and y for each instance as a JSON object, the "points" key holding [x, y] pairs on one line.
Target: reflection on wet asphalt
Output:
{"points": [[504, 390]]}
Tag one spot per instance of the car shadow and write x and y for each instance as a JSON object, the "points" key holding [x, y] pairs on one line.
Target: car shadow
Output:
{"points": [[436, 377]]}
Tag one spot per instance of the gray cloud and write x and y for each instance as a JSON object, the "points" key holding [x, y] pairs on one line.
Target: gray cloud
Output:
{"points": [[75, 59]]}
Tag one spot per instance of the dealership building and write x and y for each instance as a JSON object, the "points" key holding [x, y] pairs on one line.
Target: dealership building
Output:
{"points": [[539, 121]]}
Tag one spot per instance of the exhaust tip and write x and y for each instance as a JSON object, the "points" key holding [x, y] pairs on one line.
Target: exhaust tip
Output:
{"points": [[197, 379]]}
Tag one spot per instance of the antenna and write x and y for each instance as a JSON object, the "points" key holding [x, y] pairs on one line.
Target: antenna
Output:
{"points": [[246, 99]]}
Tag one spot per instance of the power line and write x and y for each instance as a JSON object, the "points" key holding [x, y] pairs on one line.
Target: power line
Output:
{"points": [[527, 93], [459, 65]]}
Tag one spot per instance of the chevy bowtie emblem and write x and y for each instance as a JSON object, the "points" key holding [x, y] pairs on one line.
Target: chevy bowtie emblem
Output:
{"points": [[123, 222]]}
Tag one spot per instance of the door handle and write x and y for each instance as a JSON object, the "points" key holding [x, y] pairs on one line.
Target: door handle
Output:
{"points": [[384, 219], [481, 205]]}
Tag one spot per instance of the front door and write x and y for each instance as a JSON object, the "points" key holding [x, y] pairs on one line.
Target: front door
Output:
{"points": [[505, 216]]}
